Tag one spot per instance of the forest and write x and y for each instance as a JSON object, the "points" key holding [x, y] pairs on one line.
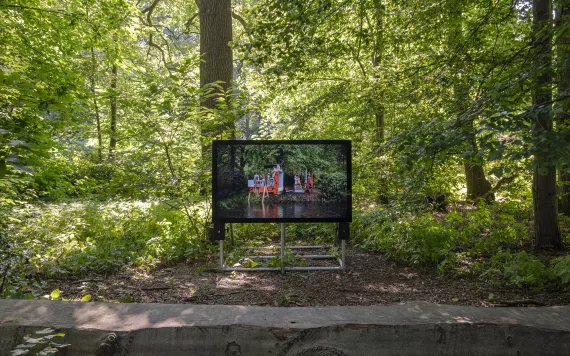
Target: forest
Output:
{"points": [[458, 112]]}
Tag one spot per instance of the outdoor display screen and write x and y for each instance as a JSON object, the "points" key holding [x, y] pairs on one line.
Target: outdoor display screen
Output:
{"points": [[282, 181]]}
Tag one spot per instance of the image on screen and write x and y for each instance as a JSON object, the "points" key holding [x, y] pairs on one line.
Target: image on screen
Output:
{"points": [[278, 181]]}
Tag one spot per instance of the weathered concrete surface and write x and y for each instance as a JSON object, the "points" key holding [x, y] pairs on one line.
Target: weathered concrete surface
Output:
{"points": [[416, 328]]}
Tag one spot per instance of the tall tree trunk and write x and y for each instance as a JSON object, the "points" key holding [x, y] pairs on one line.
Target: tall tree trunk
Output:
{"points": [[476, 182], [96, 107], [247, 131], [216, 65], [113, 104], [546, 229], [380, 125], [563, 73], [379, 12]]}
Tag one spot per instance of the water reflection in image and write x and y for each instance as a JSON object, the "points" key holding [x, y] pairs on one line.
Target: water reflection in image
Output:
{"points": [[297, 210]]}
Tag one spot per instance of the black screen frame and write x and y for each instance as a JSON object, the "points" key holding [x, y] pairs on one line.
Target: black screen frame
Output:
{"points": [[216, 145]]}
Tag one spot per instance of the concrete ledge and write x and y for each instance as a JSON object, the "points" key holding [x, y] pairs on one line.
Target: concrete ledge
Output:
{"points": [[415, 328]]}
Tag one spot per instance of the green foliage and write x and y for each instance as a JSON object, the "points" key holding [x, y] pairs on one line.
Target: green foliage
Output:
{"points": [[423, 239], [52, 179], [289, 260], [564, 227], [316, 233], [416, 240], [55, 294], [525, 270], [81, 238], [476, 242], [254, 233], [560, 270], [491, 227], [493, 269]]}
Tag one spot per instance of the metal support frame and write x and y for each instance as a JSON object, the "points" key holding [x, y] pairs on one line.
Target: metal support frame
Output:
{"points": [[282, 248], [283, 268]]}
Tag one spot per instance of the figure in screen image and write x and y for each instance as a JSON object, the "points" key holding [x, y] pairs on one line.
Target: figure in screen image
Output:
{"points": [[256, 184]]}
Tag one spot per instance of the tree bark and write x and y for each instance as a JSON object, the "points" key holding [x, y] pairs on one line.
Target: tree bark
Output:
{"points": [[377, 53], [546, 229], [563, 74], [216, 65], [379, 110], [477, 184], [247, 131], [96, 107], [113, 105]]}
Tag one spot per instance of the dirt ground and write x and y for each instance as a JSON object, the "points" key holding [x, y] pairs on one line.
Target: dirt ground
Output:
{"points": [[369, 279]]}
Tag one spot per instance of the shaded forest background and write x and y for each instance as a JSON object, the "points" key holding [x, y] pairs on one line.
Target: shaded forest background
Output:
{"points": [[458, 112]]}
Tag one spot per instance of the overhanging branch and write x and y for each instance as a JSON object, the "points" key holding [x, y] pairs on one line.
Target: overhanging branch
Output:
{"points": [[243, 24]]}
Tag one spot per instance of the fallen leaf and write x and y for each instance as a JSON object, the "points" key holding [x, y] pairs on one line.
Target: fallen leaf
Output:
{"points": [[55, 294]]}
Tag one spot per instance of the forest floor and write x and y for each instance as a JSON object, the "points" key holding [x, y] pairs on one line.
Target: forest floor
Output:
{"points": [[370, 278]]}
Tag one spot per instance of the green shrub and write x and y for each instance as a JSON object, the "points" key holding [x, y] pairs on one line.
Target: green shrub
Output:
{"points": [[51, 178], [491, 227], [506, 233], [564, 227], [246, 233], [560, 270], [493, 268], [81, 238], [525, 270], [311, 232], [415, 240], [425, 240], [369, 227]]}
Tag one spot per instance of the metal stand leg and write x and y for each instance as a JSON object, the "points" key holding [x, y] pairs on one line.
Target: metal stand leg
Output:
{"points": [[343, 256], [282, 248], [221, 254]]}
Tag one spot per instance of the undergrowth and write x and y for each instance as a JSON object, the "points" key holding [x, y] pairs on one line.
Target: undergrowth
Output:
{"points": [[486, 241], [76, 239]]}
